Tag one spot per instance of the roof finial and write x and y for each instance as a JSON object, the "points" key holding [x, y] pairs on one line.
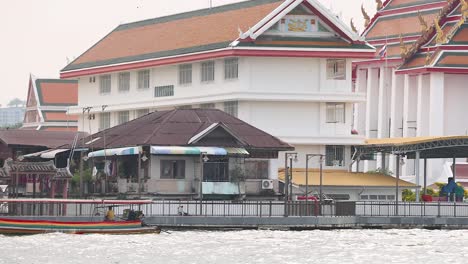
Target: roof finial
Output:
{"points": [[365, 15], [422, 22], [353, 27], [403, 48], [464, 8], [428, 58], [379, 4], [440, 38]]}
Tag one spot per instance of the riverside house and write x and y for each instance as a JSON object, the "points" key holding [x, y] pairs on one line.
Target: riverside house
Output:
{"points": [[185, 154]]}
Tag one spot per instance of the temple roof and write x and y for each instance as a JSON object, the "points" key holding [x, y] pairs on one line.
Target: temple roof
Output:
{"points": [[400, 18], [195, 31], [47, 102], [222, 31], [448, 54]]}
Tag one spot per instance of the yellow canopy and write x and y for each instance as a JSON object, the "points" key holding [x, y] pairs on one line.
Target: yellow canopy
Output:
{"points": [[409, 140]]}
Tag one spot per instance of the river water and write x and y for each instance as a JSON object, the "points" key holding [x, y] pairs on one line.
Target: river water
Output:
{"points": [[337, 246]]}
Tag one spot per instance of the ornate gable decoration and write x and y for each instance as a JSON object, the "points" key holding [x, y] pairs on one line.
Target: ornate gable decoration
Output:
{"points": [[299, 22]]}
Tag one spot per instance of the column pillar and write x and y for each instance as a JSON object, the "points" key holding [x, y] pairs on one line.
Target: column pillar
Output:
{"points": [[371, 108], [360, 108], [416, 174], [436, 104]]}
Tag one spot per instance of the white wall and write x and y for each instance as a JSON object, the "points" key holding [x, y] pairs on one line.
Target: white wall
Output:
{"points": [[456, 104]]}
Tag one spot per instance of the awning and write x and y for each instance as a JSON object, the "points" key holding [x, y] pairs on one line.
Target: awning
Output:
{"points": [[51, 153], [46, 154], [176, 150], [237, 151], [115, 152]]}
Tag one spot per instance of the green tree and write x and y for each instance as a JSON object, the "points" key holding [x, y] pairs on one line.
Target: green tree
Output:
{"points": [[16, 102], [408, 196]]}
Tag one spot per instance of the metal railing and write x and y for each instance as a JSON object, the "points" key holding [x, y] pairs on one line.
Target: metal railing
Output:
{"points": [[83, 208], [171, 208], [408, 209]]}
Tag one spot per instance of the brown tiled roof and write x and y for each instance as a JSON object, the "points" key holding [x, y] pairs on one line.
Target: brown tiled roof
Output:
{"points": [[57, 92], [199, 30], [59, 128], [177, 127], [49, 139]]}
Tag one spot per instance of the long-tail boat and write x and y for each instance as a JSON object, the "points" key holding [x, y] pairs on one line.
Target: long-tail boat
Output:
{"points": [[23, 227], [30, 224]]}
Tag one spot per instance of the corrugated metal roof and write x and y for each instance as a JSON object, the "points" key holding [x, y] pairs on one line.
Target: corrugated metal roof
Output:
{"points": [[409, 140], [177, 127], [343, 178], [49, 139]]}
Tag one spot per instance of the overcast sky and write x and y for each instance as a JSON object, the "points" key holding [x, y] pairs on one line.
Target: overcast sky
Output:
{"points": [[39, 37]]}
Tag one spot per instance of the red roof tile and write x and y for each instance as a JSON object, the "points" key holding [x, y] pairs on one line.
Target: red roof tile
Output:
{"points": [[57, 92]]}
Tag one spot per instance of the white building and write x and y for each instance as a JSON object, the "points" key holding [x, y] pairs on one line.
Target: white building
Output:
{"points": [[283, 66], [419, 88]]}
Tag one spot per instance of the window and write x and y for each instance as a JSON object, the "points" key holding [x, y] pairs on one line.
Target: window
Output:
{"points": [[336, 69], [231, 68], [364, 197], [372, 197], [104, 121], [143, 79], [216, 171], [105, 84], [185, 74], [161, 91], [207, 71], [124, 82], [335, 112], [390, 197], [207, 106], [141, 112], [256, 169], [334, 156], [231, 108], [172, 169], [123, 117]]}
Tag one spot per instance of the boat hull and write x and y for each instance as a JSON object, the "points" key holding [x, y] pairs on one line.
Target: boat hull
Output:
{"points": [[29, 227]]}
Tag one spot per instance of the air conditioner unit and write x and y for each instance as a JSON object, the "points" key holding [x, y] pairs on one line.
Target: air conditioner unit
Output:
{"points": [[267, 184]]}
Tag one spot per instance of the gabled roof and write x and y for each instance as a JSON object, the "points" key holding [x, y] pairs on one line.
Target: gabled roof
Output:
{"points": [[343, 178], [211, 33], [48, 100], [177, 127]]}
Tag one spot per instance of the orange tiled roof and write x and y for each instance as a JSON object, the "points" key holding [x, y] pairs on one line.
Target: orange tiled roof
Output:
{"points": [[393, 26], [205, 28], [58, 116], [57, 92], [394, 4]]}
